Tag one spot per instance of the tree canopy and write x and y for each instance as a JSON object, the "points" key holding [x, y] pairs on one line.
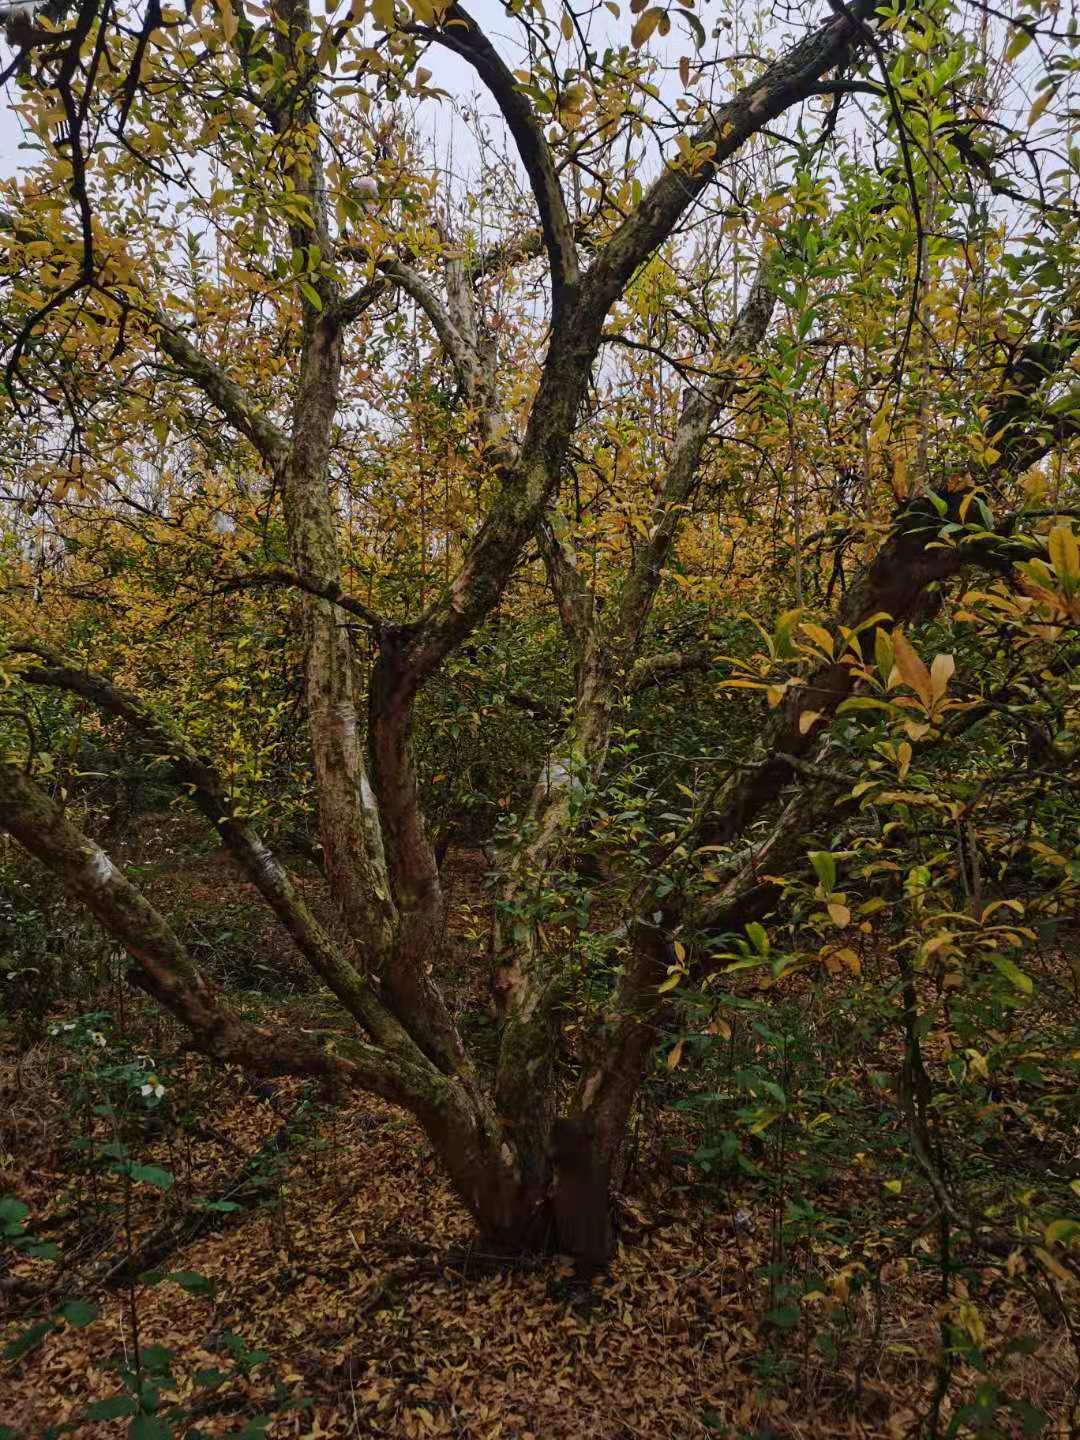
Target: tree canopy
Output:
{"points": [[639, 440]]}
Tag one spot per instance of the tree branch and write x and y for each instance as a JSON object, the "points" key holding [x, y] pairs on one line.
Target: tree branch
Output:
{"points": [[681, 477], [323, 590], [237, 406], [160, 739], [794, 76], [459, 32], [652, 670], [162, 966]]}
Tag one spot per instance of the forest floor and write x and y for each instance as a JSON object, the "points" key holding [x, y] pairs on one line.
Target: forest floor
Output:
{"points": [[337, 1288]]}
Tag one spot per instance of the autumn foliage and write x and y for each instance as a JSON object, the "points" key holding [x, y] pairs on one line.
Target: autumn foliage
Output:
{"points": [[654, 473]]}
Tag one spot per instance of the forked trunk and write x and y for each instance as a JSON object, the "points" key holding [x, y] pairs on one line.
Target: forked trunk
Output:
{"points": [[582, 1199], [562, 1205]]}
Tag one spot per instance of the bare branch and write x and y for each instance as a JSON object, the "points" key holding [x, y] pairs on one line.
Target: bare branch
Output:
{"points": [[459, 32], [161, 739], [794, 76], [237, 406], [162, 966], [322, 590], [684, 468]]}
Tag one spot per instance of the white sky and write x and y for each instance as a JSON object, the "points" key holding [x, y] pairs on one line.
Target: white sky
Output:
{"points": [[455, 75]]}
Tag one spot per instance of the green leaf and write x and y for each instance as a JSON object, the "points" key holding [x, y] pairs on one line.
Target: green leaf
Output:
{"points": [[1018, 44], [828, 1347], [695, 26], [152, 1175], [192, 1282], [311, 295], [758, 938], [1012, 973], [862, 702], [42, 1250], [12, 1214], [255, 1429], [783, 645], [113, 1408], [149, 1427], [824, 867], [28, 1340], [156, 1359], [1041, 103], [79, 1313]]}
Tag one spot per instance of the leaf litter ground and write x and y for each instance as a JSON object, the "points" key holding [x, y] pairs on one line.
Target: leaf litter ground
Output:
{"points": [[351, 1264]]}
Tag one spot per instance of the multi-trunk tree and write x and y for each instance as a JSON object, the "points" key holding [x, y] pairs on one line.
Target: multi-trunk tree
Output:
{"points": [[277, 132]]}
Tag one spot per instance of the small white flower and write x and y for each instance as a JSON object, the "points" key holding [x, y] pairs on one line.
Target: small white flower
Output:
{"points": [[153, 1087], [98, 1038]]}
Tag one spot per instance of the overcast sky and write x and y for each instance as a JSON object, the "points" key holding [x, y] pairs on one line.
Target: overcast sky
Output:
{"points": [[448, 134]]}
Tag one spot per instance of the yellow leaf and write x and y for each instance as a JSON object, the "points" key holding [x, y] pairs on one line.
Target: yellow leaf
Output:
{"points": [[567, 27], [978, 1063], [839, 914], [819, 635], [912, 670], [972, 1322], [914, 731], [850, 959], [1041, 103], [675, 1055], [1064, 554], [645, 26], [1055, 1269], [806, 719], [944, 937], [229, 22], [680, 952], [899, 478], [941, 672]]}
